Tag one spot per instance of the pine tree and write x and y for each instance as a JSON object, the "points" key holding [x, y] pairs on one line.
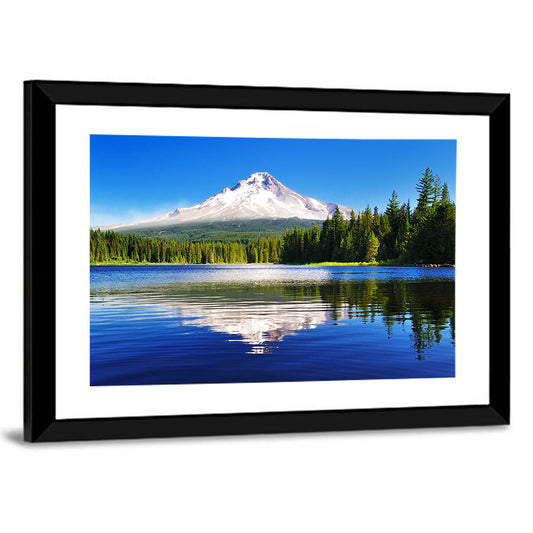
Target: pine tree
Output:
{"points": [[426, 194], [351, 223], [393, 207], [338, 227], [437, 191], [445, 195], [372, 247]]}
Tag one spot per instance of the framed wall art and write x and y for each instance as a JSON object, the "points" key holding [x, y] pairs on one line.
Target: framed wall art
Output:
{"points": [[216, 260]]}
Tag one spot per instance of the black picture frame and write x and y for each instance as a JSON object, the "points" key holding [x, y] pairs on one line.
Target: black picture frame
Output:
{"points": [[40, 101]]}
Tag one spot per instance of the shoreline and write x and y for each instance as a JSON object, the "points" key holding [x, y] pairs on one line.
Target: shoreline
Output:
{"points": [[326, 264]]}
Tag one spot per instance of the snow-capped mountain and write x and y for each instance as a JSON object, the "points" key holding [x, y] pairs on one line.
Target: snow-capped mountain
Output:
{"points": [[259, 196]]}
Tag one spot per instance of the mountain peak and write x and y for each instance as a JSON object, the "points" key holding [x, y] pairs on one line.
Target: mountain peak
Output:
{"points": [[259, 177]]}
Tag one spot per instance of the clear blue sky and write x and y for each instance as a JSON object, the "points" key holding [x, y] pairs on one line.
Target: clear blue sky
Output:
{"points": [[135, 177]]}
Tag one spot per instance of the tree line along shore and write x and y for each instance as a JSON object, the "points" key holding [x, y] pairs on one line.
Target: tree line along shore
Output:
{"points": [[400, 235]]}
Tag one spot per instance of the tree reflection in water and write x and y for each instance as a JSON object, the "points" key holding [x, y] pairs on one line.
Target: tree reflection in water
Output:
{"points": [[429, 306]]}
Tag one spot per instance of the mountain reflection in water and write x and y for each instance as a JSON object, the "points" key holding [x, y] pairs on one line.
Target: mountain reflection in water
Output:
{"points": [[363, 327]]}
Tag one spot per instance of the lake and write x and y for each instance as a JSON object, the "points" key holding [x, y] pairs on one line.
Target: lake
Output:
{"points": [[184, 324]]}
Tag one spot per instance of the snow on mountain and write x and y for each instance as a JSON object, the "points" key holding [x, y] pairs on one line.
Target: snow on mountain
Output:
{"points": [[259, 196]]}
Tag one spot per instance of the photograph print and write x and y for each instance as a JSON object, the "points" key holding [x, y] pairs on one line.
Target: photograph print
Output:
{"points": [[253, 260]]}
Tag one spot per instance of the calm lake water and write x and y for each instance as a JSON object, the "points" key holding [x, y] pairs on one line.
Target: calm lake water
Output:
{"points": [[259, 323]]}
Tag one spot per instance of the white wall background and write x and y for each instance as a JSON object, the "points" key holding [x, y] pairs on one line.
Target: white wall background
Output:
{"points": [[417, 481]]}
